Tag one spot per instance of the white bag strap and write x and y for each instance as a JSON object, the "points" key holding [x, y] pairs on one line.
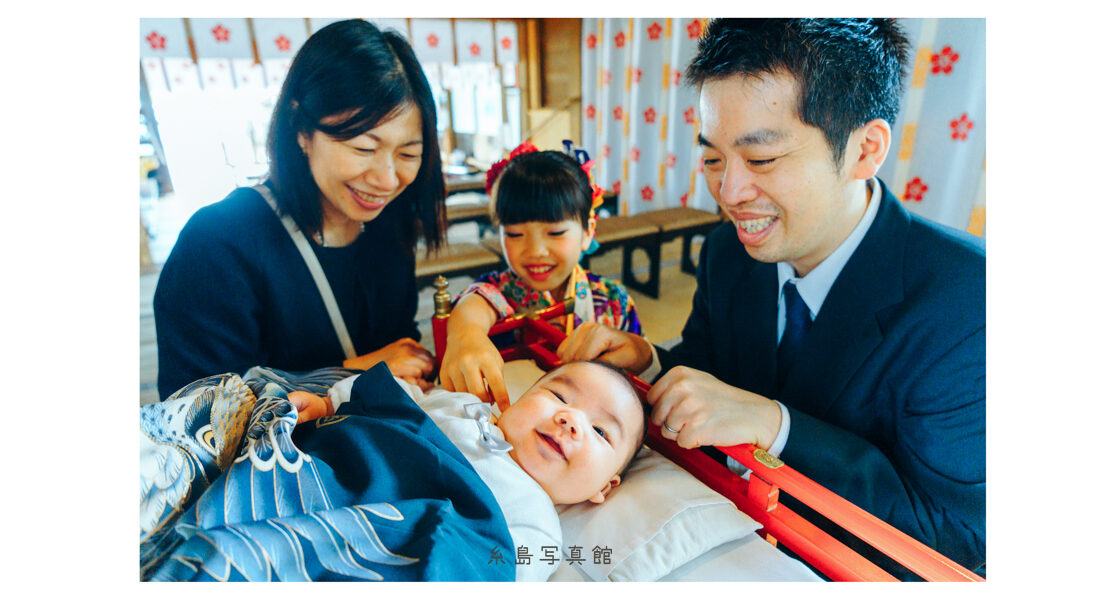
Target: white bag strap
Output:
{"points": [[315, 269]]}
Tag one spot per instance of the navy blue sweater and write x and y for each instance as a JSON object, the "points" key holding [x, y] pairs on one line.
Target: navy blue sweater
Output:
{"points": [[235, 293]]}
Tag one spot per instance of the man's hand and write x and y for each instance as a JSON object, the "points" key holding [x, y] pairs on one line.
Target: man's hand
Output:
{"points": [[405, 358], [596, 342], [473, 364], [703, 411]]}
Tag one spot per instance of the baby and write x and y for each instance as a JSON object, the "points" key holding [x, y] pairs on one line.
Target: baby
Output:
{"points": [[566, 440]]}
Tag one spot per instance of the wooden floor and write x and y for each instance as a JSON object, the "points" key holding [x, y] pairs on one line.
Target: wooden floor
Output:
{"points": [[662, 320]]}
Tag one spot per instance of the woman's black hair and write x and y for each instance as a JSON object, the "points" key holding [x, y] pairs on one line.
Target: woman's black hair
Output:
{"points": [[351, 69], [547, 186]]}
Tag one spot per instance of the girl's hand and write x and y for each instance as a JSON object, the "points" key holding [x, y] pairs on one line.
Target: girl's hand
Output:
{"points": [[310, 406], [405, 358], [473, 364]]}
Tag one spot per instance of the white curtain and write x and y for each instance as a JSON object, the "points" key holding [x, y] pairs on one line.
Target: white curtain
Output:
{"points": [[639, 122], [936, 165]]}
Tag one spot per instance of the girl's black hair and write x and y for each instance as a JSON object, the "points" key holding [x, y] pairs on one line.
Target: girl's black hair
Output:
{"points": [[547, 186], [352, 69]]}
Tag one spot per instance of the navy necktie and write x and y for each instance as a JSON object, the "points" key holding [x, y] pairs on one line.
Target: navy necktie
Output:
{"points": [[798, 324]]}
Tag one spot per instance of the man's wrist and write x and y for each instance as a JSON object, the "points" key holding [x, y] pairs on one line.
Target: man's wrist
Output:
{"points": [[771, 419], [652, 367], [780, 442]]}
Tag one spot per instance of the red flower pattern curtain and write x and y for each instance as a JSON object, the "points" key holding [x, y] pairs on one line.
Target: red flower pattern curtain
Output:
{"points": [[936, 165], [639, 122]]}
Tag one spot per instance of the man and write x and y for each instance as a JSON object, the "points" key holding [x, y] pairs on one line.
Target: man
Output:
{"points": [[829, 325]]}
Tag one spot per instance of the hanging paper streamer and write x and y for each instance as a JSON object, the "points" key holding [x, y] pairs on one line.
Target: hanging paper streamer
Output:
{"points": [[216, 74], [433, 40], [275, 71], [507, 39], [279, 39], [183, 74], [155, 78], [248, 74], [487, 98], [474, 40], [221, 38], [163, 38]]}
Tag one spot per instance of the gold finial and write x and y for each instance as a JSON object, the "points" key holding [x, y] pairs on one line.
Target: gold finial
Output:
{"points": [[442, 297]]}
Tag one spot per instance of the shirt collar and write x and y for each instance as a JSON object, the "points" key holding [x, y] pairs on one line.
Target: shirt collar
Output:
{"points": [[815, 286]]}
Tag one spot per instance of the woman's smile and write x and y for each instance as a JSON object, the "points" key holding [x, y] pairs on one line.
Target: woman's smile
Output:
{"points": [[367, 201]]}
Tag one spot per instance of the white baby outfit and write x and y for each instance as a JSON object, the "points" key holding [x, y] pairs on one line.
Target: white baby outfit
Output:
{"points": [[530, 514]]}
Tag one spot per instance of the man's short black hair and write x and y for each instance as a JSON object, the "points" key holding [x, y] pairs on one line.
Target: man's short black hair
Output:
{"points": [[849, 71]]}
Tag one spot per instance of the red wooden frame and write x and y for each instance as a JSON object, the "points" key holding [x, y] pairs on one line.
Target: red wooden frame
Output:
{"points": [[758, 496]]}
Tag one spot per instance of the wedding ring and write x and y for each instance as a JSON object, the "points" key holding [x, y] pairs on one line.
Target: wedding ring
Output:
{"points": [[671, 430]]}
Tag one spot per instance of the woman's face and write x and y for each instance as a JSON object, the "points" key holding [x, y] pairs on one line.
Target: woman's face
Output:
{"points": [[360, 176]]}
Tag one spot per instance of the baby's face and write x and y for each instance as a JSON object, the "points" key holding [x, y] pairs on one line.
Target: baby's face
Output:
{"points": [[573, 431]]}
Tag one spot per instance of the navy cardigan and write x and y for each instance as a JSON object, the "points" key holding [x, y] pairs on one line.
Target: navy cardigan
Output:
{"points": [[235, 293]]}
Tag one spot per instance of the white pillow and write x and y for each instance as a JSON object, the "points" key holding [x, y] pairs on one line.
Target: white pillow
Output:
{"points": [[658, 519]]}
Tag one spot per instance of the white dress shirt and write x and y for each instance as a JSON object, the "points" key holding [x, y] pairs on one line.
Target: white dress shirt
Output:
{"points": [[815, 286]]}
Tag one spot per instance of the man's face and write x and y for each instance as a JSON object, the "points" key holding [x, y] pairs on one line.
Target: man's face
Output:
{"points": [[573, 431], [773, 174]]}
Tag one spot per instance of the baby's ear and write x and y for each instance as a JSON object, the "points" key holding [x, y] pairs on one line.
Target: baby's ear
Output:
{"points": [[601, 495]]}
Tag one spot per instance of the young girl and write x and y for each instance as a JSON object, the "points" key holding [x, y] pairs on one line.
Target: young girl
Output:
{"points": [[545, 205]]}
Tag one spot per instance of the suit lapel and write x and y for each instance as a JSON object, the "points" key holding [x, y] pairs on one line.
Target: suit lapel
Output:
{"points": [[846, 331], [754, 329]]}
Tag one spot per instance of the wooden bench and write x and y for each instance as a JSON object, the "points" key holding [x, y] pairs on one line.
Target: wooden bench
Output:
{"points": [[631, 233], [646, 232], [685, 223], [455, 260], [467, 207]]}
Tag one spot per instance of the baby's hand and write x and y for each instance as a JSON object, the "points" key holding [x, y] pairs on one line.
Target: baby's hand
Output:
{"points": [[310, 406]]}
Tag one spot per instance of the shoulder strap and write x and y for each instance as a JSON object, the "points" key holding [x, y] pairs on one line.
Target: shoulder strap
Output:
{"points": [[315, 270]]}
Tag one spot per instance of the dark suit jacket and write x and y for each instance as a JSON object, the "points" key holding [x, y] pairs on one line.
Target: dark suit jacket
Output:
{"points": [[887, 395]]}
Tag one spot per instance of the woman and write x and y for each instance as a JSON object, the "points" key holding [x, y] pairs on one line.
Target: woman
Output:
{"points": [[356, 176]]}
